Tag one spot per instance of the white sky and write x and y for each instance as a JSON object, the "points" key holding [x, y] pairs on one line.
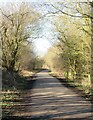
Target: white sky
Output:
{"points": [[41, 46]]}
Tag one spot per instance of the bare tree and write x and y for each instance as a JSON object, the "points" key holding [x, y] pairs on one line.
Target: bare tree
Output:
{"points": [[13, 31]]}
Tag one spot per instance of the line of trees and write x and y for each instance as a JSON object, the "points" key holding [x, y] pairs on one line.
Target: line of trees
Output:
{"points": [[73, 53]]}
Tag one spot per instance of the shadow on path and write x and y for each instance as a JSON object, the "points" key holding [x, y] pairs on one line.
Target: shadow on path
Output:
{"points": [[48, 99]]}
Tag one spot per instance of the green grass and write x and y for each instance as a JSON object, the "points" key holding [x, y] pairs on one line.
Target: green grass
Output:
{"points": [[8, 99]]}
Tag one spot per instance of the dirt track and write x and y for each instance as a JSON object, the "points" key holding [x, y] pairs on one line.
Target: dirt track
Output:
{"points": [[49, 99]]}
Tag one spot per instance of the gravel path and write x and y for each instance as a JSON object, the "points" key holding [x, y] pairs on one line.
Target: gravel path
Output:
{"points": [[49, 99]]}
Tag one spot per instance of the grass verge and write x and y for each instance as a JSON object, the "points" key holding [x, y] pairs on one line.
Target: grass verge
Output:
{"points": [[13, 89], [74, 86]]}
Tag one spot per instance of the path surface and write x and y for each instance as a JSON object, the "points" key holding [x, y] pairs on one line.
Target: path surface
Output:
{"points": [[50, 99]]}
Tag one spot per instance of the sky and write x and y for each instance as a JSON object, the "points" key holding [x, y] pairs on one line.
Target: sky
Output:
{"points": [[41, 46], [48, 37]]}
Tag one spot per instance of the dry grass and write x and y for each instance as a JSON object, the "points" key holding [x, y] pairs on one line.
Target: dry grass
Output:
{"points": [[26, 73]]}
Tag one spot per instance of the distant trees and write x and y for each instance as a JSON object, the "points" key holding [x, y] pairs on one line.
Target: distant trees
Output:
{"points": [[14, 31], [28, 59], [53, 59]]}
